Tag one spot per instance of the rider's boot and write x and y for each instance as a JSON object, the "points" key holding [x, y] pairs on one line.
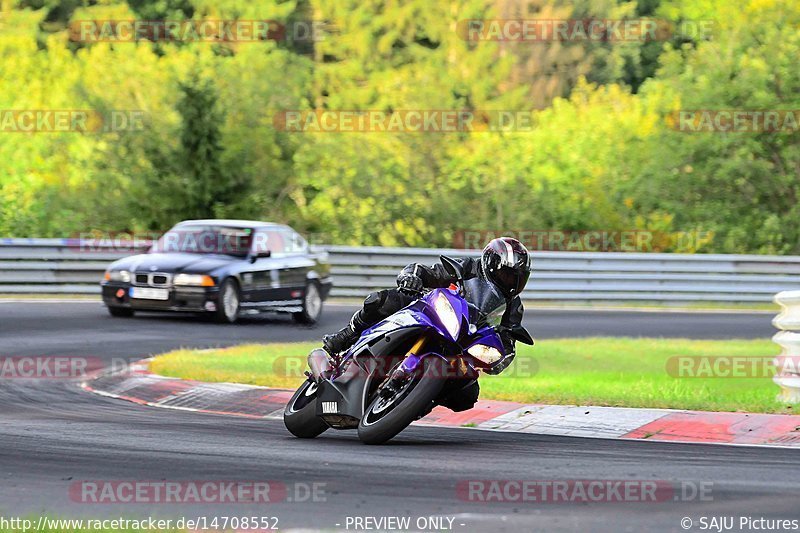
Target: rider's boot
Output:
{"points": [[336, 343]]}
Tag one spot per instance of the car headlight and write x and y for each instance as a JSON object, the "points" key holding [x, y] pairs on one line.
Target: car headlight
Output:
{"points": [[446, 313], [118, 275], [485, 354], [196, 280]]}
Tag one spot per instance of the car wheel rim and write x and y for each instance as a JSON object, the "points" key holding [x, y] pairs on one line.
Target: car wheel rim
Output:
{"points": [[313, 302], [230, 302]]}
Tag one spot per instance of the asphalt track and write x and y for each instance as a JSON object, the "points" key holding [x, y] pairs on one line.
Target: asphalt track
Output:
{"points": [[53, 434]]}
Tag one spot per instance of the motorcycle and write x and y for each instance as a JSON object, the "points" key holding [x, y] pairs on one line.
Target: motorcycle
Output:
{"points": [[427, 354]]}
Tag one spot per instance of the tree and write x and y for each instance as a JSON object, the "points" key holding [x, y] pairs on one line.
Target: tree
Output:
{"points": [[742, 186], [191, 181]]}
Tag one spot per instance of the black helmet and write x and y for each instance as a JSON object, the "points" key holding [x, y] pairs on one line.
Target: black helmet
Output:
{"points": [[506, 263]]}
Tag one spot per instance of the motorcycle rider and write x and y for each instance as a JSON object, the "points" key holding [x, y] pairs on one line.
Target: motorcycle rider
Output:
{"points": [[505, 262]]}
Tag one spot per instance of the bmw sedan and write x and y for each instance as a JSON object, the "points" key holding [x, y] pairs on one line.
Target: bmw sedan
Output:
{"points": [[222, 268]]}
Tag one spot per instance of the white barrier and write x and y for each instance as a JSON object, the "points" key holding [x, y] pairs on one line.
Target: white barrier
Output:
{"points": [[788, 338]]}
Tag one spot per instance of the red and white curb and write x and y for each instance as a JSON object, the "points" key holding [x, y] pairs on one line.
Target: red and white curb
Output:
{"points": [[137, 384], [753, 429]]}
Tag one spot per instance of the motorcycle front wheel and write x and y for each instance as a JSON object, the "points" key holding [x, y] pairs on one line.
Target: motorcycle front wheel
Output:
{"points": [[385, 417], [300, 415]]}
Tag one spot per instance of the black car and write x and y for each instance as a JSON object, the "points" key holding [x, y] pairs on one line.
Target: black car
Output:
{"points": [[224, 268]]}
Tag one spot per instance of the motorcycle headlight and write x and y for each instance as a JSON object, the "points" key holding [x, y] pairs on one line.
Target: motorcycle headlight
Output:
{"points": [[118, 275], [196, 280], [447, 315], [485, 354]]}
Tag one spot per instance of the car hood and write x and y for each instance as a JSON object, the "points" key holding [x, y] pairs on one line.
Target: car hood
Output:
{"points": [[174, 262]]}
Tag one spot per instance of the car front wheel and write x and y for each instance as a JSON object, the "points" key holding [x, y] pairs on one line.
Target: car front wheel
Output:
{"points": [[312, 305], [229, 301]]}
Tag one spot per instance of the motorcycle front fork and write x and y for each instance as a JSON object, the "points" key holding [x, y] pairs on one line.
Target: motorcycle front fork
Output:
{"points": [[395, 380]]}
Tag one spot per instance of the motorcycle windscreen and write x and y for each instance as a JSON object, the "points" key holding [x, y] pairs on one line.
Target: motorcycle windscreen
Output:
{"points": [[486, 298]]}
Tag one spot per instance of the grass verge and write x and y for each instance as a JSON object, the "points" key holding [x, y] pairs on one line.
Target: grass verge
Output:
{"points": [[594, 371]]}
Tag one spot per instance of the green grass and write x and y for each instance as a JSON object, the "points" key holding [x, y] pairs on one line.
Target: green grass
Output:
{"points": [[596, 371]]}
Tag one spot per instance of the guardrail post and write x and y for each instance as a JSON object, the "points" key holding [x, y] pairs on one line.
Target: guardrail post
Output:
{"points": [[788, 362]]}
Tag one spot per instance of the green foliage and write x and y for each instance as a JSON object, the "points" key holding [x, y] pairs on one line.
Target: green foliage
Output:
{"points": [[193, 174], [742, 186], [602, 153]]}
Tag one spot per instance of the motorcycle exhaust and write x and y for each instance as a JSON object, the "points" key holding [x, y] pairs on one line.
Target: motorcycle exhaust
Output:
{"points": [[319, 363]]}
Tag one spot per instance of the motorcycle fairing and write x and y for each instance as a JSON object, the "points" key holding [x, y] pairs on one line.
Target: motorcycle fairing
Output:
{"points": [[339, 403], [418, 314], [346, 393]]}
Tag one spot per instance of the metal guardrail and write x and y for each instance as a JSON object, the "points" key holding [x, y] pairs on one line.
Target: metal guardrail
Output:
{"points": [[63, 266]]}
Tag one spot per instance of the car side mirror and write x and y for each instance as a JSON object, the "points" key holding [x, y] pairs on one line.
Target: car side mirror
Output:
{"points": [[258, 255], [452, 267]]}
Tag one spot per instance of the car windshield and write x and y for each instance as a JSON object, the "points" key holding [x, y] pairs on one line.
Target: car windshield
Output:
{"points": [[486, 299], [205, 239]]}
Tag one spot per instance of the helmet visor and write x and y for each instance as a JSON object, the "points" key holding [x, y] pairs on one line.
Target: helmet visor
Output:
{"points": [[511, 280]]}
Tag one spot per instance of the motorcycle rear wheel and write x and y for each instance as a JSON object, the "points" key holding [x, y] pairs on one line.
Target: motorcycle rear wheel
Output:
{"points": [[386, 417], [300, 415]]}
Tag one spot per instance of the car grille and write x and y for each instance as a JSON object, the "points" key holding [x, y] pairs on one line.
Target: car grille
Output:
{"points": [[153, 279]]}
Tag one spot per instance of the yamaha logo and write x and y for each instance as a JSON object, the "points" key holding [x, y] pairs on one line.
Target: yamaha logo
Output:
{"points": [[330, 407]]}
